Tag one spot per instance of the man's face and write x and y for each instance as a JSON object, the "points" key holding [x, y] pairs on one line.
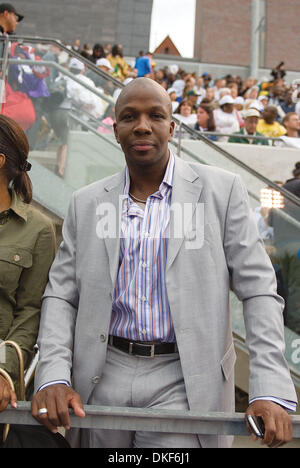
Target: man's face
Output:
{"points": [[251, 124], [210, 94], [293, 123], [11, 21], [220, 84], [193, 99], [228, 108], [143, 124]]}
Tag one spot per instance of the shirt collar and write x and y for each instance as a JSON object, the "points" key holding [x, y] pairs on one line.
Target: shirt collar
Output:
{"points": [[18, 206]]}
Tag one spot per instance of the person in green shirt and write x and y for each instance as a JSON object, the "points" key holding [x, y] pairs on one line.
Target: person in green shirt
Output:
{"points": [[27, 249], [251, 118]]}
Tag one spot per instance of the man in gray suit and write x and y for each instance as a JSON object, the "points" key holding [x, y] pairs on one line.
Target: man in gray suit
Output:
{"points": [[136, 312]]}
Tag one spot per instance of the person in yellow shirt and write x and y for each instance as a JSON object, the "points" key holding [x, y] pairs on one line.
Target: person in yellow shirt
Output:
{"points": [[268, 126], [118, 63]]}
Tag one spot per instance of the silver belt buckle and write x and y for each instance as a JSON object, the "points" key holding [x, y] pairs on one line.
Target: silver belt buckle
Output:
{"points": [[151, 352], [152, 346]]}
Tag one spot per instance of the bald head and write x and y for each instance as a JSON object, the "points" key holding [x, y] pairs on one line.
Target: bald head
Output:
{"points": [[144, 125], [143, 86]]}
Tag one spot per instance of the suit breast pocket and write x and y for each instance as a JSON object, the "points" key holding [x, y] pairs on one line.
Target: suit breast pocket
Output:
{"points": [[200, 235], [228, 362], [12, 263]]}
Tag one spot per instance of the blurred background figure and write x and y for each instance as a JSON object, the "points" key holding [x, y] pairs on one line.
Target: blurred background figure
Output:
{"points": [[251, 118], [225, 117]]}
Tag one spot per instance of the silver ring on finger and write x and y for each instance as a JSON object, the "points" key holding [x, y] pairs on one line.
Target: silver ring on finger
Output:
{"points": [[42, 411]]}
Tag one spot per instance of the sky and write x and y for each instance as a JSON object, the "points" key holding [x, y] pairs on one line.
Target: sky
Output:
{"points": [[175, 18]]}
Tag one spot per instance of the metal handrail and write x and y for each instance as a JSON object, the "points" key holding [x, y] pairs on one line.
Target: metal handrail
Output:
{"points": [[64, 71], [238, 135], [198, 136], [94, 131], [4, 69], [153, 420], [71, 52], [289, 219]]}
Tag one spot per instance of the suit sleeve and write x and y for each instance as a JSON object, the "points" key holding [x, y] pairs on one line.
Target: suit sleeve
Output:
{"points": [[254, 282], [59, 310]]}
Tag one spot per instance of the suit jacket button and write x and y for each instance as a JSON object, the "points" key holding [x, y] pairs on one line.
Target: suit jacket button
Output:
{"points": [[103, 337], [96, 379]]}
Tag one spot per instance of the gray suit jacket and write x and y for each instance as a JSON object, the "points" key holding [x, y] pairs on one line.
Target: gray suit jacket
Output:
{"points": [[78, 300]]}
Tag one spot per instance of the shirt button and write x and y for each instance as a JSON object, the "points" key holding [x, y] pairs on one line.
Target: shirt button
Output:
{"points": [[144, 265], [144, 331], [144, 298], [96, 379], [16, 258], [103, 337], [146, 234]]}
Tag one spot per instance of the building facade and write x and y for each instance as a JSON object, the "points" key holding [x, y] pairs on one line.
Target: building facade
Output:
{"points": [[124, 22], [223, 32]]}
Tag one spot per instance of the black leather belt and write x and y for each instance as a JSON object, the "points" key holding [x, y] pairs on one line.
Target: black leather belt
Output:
{"points": [[142, 349]]}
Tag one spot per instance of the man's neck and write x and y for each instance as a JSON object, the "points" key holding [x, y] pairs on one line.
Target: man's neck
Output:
{"points": [[146, 185], [145, 181], [292, 133]]}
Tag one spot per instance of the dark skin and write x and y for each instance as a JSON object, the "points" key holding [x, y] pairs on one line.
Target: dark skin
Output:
{"points": [[7, 395], [143, 128]]}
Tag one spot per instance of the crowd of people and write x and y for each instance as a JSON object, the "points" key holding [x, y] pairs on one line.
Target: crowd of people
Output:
{"points": [[215, 104], [229, 109]]}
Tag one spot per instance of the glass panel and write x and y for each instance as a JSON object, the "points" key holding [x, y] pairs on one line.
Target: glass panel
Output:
{"points": [[68, 120], [62, 112], [285, 255], [277, 217]]}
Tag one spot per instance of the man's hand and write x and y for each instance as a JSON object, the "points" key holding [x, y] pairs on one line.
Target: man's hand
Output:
{"points": [[6, 395], [57, 398], [278, 425]]}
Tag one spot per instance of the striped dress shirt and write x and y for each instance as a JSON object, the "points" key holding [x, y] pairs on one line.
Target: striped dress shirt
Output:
{"points": [[141, 310]]}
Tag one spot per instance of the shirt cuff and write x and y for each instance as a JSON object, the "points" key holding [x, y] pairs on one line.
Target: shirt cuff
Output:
{"points": [[286, 404], [54, 382]]}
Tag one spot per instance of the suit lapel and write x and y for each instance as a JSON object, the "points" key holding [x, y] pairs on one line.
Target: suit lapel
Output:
{"points": [[185, 196], [110, 205]]}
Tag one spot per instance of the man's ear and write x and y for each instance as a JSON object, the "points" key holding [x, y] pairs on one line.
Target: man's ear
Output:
{"points": [[116, 132], [172, 128]]}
